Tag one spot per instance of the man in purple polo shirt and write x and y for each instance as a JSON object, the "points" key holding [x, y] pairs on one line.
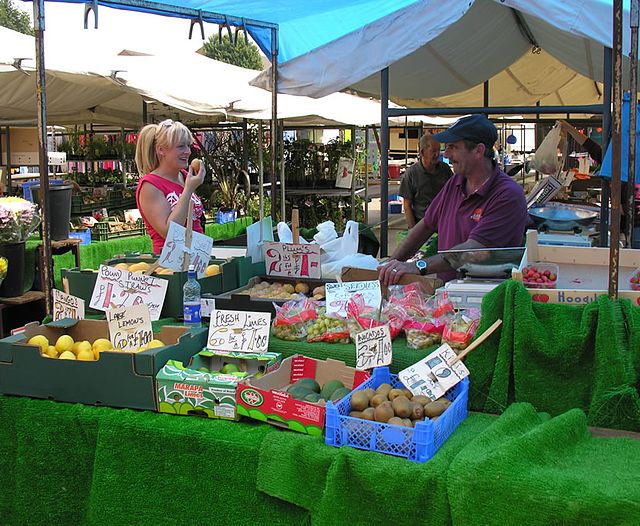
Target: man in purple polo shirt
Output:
{"points": [[479, 207]]}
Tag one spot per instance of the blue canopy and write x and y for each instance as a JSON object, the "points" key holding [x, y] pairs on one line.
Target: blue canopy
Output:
{"points": [[433, 47], [605, 170]]}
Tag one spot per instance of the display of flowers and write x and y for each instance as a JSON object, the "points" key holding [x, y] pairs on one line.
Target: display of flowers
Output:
{"points": [[18, 218]]}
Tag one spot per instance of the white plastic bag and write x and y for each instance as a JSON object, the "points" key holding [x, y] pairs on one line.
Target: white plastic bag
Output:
{"points": [[340, 247], [546, 159], [285, 235], [326, 232]]}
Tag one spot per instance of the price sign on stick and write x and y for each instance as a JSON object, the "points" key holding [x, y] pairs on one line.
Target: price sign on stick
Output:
{"points": [[434, 375], [338, 295], [373, 348], [240, 331], [175, 250], [292, 260], [130, 328], [121, 288], [67, 306]]}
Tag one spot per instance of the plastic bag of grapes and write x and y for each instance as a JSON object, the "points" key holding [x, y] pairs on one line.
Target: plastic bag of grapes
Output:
{"points": [[361, 316], [330, 329], [290, 322]]}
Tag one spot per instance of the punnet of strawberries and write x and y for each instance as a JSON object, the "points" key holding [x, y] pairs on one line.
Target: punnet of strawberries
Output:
{"points": [[543, 276], [634, 280]]}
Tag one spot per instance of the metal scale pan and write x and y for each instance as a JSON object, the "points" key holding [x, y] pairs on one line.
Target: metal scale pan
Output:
{"points": [[562, 218], [486, 263]]}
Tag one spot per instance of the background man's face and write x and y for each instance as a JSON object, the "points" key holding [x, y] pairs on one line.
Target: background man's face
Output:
{"points": [[430, 155]]}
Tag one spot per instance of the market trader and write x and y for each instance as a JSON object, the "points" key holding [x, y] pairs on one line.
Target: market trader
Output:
{"points": [[479, 207], [423, 180]]}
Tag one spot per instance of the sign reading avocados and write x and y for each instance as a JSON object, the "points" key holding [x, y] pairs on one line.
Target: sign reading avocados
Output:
{"points": [[373, 348]]}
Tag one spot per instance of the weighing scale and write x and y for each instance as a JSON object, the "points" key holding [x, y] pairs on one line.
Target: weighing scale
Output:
{"points": [[480, 271], [565, 225]]}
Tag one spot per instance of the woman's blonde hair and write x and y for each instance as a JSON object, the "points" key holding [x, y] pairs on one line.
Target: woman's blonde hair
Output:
{"points": [[168, 133]]}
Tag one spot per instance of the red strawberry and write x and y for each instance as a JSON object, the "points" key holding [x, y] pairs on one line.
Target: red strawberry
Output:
{"points": [[544, 298], [552, 277], [536, 276], [546, 272], [538, 280]]}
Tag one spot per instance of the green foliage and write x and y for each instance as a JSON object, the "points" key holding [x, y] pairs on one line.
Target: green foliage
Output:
{"points": [[14, 18], [245, 55]]}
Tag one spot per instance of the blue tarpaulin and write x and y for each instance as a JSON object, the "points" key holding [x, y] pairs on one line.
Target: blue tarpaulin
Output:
{"points": [[605, 171]]}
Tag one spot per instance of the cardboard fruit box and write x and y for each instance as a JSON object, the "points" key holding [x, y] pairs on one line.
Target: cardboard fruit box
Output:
{"points": [[116, 379], [583, 272], [80, 283], [240, 299], [266, 398], [197, 389]]}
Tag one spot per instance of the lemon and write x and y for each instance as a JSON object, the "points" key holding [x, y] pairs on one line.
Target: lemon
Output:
{"points": [[122, 266], [64, 343], [82, 346], [212, 270], [101, 345], [52, 352], [41, 341], [86, 355], [67, 355]]}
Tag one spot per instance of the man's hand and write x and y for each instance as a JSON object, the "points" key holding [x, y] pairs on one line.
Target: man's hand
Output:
{"points": [[391, 272]]}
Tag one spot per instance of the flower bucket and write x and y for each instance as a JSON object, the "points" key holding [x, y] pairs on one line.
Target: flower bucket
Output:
{"points": [[60, 205], [13, 283]]}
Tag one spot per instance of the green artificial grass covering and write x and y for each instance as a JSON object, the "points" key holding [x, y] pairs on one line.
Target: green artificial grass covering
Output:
{"points": [[559, 357], [72, 464]]}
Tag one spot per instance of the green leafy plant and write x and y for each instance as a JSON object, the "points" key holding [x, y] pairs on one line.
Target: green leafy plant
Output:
{"points": [[243, 54]]}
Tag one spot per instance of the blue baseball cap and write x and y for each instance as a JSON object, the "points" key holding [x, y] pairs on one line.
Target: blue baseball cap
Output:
{"points": [[476, 128]]}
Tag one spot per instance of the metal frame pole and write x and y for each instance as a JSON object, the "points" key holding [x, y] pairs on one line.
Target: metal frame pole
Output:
{"points": [[245, 146], [384, 163], [366, 174], [354, 152], [47, 262], [633, 114], [606, 137], [260, 175], [274, 120], [614, 249], [123, 158], [9, 167], [283, 203]]}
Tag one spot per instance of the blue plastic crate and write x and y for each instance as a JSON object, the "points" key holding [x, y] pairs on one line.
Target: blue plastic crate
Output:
{"points": [[419, 443], [226, 216], [83, 236], [26, 187]]}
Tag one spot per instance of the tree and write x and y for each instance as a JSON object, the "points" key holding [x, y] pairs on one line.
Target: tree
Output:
{"points": [[14, 18], [245, 55]]}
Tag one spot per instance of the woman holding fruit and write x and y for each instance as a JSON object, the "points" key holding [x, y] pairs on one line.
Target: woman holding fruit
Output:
{"points": [[167, 181]]}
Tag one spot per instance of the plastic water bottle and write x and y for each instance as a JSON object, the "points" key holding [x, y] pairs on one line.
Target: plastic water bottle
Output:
{"points": [[191, 299]]}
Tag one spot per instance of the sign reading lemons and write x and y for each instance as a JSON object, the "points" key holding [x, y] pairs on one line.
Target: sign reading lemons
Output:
{"points": [[130, 328], [67, 306]]}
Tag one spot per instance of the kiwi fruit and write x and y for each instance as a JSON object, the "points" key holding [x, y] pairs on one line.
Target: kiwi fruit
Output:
{"points": [[384, 389], [370, 392], [434, 409], [395, 421], [417, 411], [377, 400], [421, 399], [355, 414], [407, 422], [444, 401], [359, 401], [407, 393], [368, 413], [402, 406], [394, 393], [383, 412]]}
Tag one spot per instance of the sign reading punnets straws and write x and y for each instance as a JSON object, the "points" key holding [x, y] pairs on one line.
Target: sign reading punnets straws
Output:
{"points": [[117, 288]]}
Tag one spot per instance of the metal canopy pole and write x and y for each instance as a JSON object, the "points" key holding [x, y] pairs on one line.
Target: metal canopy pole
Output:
{"points": [[274, 120], [633, 114], [606, 138], [366, 174], [47, 263], [9, 167], [283, 212], [614, 248], [384, 163], [506, 110], [355, 169], [245, 146], [260, 175]]}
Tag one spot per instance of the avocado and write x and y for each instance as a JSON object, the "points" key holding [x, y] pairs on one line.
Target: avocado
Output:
{"points": [[312, 397], [298, 392], [329, 388], [308, 383], [339, 394]]}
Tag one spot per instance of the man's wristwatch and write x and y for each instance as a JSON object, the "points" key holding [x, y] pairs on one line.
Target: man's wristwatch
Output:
{"points": [[422, 267]]}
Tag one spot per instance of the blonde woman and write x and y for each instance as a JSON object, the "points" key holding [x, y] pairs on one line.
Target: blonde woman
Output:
{"points": [[167, 182]]}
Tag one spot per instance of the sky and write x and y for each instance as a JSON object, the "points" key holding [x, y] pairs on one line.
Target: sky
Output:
{"points": [[141, 31]]}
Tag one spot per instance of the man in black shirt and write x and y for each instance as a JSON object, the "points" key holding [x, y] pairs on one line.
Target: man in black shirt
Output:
{"points": [[423, 180]]}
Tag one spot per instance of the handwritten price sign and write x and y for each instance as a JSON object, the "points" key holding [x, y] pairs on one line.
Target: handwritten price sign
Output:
{"points": [[373, 348], [291, 260], [116, 288], [174, 250], [434, 375], [239, 331], [67, 306], [130, 328], [338, 295]]}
